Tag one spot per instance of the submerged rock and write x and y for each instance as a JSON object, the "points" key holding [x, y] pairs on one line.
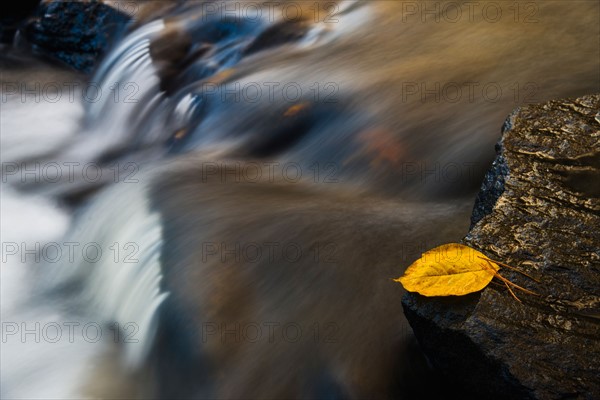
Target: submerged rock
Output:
{"points": [[74, 32], [538, 210]]}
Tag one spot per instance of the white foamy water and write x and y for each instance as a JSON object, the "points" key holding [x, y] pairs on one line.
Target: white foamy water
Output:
{"points": [[40, 358], [44, 354], [32, 129]]}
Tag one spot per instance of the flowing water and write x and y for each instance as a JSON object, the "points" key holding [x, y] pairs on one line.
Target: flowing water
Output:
{"points": [[248, 177]]}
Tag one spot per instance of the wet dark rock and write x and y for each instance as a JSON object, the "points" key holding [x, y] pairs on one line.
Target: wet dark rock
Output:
{"points": [[491, 189], [74, 32], [12, 14], [538, 210], [281, 33], [493, 181]]}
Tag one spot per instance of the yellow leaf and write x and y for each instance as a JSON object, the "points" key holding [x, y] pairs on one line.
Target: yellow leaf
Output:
{"points": [[449, 270]]}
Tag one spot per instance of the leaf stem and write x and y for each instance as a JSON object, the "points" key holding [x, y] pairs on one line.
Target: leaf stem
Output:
{"points": [[514, 269], [506, 281], [512, 293]]}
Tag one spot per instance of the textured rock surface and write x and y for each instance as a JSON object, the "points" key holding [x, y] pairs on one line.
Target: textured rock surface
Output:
{"points": [[76, 33], [538, 210]]}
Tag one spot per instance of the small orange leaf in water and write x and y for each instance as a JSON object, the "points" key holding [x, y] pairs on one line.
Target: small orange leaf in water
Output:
{"points": [[381, 146], [180, 134], [449, 270], [295, 109], [221, 76]]}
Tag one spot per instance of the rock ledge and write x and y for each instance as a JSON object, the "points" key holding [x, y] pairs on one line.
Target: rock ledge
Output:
{"points": [[538, 210]]}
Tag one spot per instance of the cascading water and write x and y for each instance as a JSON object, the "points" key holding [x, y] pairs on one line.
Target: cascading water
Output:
{"points": [[390, 119]]}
